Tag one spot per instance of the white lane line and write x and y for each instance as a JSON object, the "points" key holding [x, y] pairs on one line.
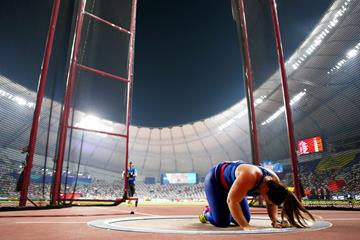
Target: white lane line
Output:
{"points": [[31, 222], [140, 213], [128, 211], [342, 219], [146, 214]]}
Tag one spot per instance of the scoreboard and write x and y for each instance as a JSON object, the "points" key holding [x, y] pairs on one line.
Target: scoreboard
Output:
{"points": [[276, 167], [310, 145], [179, 178]]}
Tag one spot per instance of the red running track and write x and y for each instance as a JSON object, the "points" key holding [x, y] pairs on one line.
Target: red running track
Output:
{"points": [[71, 223]]}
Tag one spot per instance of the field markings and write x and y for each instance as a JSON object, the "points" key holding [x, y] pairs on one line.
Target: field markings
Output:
{"points": [[39, 222], [342, 219], [128, 211]]}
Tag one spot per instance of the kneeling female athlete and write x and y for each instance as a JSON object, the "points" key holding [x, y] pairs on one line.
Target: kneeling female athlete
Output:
{"points": [[228, 184]]}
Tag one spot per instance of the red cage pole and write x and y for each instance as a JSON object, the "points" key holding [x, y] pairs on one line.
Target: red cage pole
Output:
{"points": [[249, 81], [67, 104], [129, 90], [39, 99], [286, 99], [97, 131], [102, 73], [107, 23]]}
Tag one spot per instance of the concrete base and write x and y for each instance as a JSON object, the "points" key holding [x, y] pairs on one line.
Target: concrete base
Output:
{"points": [[191, 225]]}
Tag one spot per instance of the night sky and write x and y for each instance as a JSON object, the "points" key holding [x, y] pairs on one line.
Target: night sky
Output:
{"points": [[187, 59]]}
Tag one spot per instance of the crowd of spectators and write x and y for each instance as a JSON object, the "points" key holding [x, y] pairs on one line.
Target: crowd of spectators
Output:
{"points": [[101, 189], [352, 178], [173, 192], [315, 184]]}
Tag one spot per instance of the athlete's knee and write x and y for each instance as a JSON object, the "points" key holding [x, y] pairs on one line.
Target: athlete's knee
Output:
{"points": [[221, 222], [248, 218]]}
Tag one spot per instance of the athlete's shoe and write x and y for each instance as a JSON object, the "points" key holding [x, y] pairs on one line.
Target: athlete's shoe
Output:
{"points": [[202, 217]]}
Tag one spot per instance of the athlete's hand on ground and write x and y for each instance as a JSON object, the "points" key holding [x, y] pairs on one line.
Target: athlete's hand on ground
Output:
{"points": [[249, 227], [277, 225], [281, 224]]}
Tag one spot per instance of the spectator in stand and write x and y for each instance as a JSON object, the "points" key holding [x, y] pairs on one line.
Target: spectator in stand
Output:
{"points": [[327, 193], [20, 180], [302, 191]]}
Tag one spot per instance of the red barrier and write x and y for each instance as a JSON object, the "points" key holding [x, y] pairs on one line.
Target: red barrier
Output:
{"points": [[336, 185], [70, 196]]}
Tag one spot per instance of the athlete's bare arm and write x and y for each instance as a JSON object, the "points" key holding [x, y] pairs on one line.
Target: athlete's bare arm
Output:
{"points": [[245, 180], [271, 208], [272, 212]]}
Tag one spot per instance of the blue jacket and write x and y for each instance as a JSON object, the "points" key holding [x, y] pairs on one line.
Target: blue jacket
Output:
{"points": [[132, 176]]}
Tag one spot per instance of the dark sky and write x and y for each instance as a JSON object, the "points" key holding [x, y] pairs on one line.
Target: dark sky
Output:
{"points": [[187, 61]]}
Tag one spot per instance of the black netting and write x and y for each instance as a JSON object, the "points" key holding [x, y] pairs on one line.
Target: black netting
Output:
{"points": [[324, 97], [91, 160], [323, 86]]}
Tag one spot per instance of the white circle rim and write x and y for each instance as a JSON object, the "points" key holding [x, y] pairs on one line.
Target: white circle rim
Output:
{"points": [[108, 224]]}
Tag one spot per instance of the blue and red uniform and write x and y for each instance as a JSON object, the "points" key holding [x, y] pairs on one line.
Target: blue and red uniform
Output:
{"points": [[131, 181], [217, 185]]}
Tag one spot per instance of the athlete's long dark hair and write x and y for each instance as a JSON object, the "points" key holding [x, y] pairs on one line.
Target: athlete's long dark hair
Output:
{"points": [[292, 208]]}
